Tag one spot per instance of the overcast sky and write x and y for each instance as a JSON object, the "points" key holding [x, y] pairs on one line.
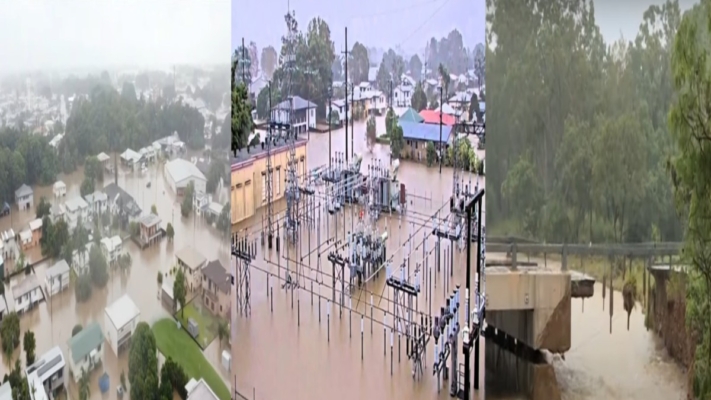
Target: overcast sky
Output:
{"points": [[69, 34], [375, 23], [618, 19]]}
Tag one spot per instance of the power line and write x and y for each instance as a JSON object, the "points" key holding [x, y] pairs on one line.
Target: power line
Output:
{"points": [[411, 35]]}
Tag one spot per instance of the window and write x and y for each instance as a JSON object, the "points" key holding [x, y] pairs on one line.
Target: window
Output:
{"points": [[278, 180], [264, 187]]}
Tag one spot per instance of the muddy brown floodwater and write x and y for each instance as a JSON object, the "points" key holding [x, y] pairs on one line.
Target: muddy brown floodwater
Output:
{"points": [[622, 365], [52, 321], [288, 353]]}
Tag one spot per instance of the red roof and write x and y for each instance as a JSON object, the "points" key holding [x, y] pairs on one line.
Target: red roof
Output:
{"points": [[432, 117]]}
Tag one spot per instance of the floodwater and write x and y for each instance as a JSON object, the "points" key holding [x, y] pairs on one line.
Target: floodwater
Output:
{"points": [[622, 365], [314, 359], [52, 321]]}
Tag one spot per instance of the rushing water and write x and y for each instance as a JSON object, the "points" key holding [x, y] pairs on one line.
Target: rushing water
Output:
{"points": [[288, 353], [53, 320], [622, 365]]}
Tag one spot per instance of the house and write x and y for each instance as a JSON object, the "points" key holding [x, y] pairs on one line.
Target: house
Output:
{"points": [[417, 136], [191, 262], [57, 278], [59, 189], [112, 247], [5, 210], [199, 390], [216, 287], [56, 213], [410, 115], [24, 197], [86, 350], [433, 117], [149, 229], [46, 375], [27, 293], [200, 202], [303, 116], [75, 210], [121, 319], [121, 204], [449, 110], [103, 159], [98, 203], [338, 108], [9, 248], [130, 158], [26, 239], [149, 154], [402, 96], [36, 229], [180, 173]]}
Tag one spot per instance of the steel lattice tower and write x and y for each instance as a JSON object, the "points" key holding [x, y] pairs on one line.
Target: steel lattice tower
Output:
{"points": [[292, 179]]}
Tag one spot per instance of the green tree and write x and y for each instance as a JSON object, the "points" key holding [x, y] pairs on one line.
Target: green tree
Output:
{"points": [[370, 133], [170, 231], [431, 154], [143, 363], [30, 345], [84, 385], [415, 66], [43, 208], [154, 210], [82, 288], [242, 124], [269, 61], [223, 331], [87, 187], [10, 333], [98, 267], [397, 141], [419, 98], [358, 64], [445, 79], [474, 107], [187, 205], [93, 170], [180, 289], [216, 172], [173, 375], [160, 278], [383, 78], [223, 221]]}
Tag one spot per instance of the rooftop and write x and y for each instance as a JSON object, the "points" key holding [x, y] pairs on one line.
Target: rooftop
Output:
{"points": [[216, 273], [25, 286], [122, 311], [103, 157], [427, 132], [181, 170], [89, 338], [191, 257], [59, 268], [200, 390], [115, 193], [75, 203], [35, 224], [47, 364], [59, 185], [432, 117], [149, 220], [278, 145], [299, 104], [23, 190]]}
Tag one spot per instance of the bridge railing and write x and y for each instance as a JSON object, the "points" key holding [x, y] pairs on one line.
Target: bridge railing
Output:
{"points": [[512, 245]]}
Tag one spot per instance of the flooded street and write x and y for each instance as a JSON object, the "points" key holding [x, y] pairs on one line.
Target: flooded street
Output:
{"points": [[283, 339], [52, 321], [620, 365]]}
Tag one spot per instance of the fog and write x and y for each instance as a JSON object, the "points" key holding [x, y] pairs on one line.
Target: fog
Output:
{"points": [[622, 18], [71, 34]]}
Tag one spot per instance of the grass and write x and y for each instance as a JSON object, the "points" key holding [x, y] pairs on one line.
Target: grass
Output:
{"points": [[207, 323], [176, 344]]}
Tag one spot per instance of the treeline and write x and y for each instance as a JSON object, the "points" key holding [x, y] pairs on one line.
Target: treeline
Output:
{"points": [[581, 142], [110, 121], [24, 159]]}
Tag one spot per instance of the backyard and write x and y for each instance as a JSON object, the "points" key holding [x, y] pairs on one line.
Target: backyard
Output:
{"points": [[207, 322], [176, 343]]}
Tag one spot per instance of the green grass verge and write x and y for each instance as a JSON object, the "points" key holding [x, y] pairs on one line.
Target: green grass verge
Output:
{"points": [[207, 323], [176, 344]]}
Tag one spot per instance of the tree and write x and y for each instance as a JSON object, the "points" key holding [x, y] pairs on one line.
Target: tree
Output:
{"points": [[445, 79], [124, 262], [169, 231], [77, 328], [224, 221], [474, 107], [254, 59], [82, 288], [263, 102], [370, 133], [93, 170], [358, 65], [337, 68], [479, 64], [179, 289], [242, 124], [30, 345], [419, 98], [174, 377], [10, 333], [269, 61], [154, 210], [216, 172], [397, 142], [383, 78], [87, 187], [223, 331], [84, 385], [98, 268], [143, 363], [54, 237], [43, 208], [415, 66], [187, 205], [431, 154]]}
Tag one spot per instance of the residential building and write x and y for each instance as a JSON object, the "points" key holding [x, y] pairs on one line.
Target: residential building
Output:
{"points": [[303, 113], [130, 158], [54, 143], [5, 209], [27, 293], [433, 117], [121, 319], [46, 375], [200, 202], [24, 198], [56, 213], [98, 203], [36, 229], [149, 154], [417, 136], [75, 210], [26, 239], [199, 390], [103, 159], [86, 350], [249, 177], [191, 262], [112, 247], [121, 204], [216, 287], [9, 248], [149, 229], [57, 278], [59, 189], [180, 173], [402, 96], [339, 107]]}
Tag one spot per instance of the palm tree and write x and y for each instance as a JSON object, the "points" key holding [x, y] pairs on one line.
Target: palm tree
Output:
{"points": [[84, 389]]}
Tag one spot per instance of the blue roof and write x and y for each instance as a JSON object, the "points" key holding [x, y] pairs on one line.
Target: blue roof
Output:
{"points": [[428, 132]]}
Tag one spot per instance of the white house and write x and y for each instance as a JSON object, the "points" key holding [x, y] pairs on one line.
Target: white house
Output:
{"points": [[46, 375], [339, 107], [24, 197], [103, 159], [27, 293], [121, 319], [402, 96], [199, 390], [98, 203], [9, 247], [57, 277], [26, 238], [130, 158], [303, 113], [191, 262], [112, 247], [200, 202], [56, 213], [75, 209], [59, 189], [180, 172], [148, 154], [86, 350]]}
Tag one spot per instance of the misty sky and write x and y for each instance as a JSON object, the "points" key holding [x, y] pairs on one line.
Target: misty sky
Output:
{"points": [[375, 23], [622, 18], [69, 34]]}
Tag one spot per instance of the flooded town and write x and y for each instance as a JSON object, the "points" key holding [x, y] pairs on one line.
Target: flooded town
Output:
{"points": [[114, 190], [350, 198]]}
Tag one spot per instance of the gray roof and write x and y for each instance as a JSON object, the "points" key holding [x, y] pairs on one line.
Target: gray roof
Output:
{"points": [[59, 268], [299, 104], [23, 190], [191, 257], [150, 220], [81, 344], [180, 170], [115, 192], [215, 272], [25, 286]]}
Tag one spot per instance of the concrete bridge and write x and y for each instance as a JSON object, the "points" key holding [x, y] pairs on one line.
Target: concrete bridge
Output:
{"points": [[528, 308]]}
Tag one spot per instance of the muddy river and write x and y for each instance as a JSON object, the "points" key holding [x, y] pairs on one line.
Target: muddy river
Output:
{"points": [[52, 321], [622, 365], [283, 341]]}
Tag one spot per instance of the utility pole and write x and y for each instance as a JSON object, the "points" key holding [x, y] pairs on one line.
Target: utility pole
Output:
{"points": [[440, 131], [391, 93], [329, 127], [244, 71], [346, 52], [352, 122]]}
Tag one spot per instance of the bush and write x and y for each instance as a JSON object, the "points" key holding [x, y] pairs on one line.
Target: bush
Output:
{"points": [[82, 288], [77, 328], [10, 333]]}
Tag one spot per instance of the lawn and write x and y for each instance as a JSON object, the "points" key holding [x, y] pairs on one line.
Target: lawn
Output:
{"points": [[207, 323], [177, 344]]}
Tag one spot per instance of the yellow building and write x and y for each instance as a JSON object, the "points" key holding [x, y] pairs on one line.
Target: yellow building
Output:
{"points": [[249, 178]]}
